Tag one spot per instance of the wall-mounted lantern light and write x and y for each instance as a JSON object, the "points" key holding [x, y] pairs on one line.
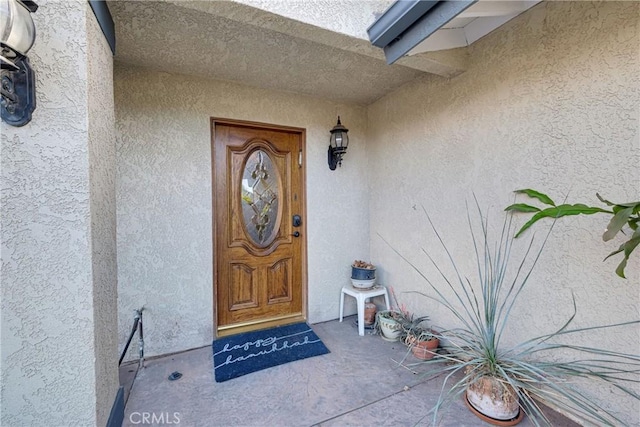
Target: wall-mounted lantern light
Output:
{"points": [[17, 34], [337, 145]]}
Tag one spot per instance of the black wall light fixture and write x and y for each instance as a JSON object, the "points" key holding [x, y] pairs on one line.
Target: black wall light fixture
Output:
{"points": [[337, 144], [17, 34]]}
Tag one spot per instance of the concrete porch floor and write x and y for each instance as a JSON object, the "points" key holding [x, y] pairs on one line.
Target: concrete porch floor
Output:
{"points": [[357, 384]]}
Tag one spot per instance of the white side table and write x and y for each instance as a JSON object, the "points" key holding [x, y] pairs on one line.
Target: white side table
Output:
{"points": [[361, 295]]}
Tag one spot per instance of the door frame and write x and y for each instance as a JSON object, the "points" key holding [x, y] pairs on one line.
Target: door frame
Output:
{"points": [[303, 191]]}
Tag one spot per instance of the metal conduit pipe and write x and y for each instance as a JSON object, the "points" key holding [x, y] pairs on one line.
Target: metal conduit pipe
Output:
{"points": [[140, 339], [137, 323]]}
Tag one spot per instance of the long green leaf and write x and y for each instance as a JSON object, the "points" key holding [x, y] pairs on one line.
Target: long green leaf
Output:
{"points": [[617, 251], [603, 200], [631, 244], [634, 205], [617, 222], [522, 207], [536, 195], [560, 211], [627, 247]]}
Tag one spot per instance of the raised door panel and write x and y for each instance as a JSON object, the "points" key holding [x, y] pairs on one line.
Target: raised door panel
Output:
{"points": [[279, 282], [243, 287]]}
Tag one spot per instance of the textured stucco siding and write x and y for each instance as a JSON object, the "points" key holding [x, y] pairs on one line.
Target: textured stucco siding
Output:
{"points": [[550, 101], [164, 204], [51, 253], [102, 172]]}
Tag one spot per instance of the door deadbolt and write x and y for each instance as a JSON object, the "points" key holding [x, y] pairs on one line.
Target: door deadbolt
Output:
{"points": [[297, 221]]}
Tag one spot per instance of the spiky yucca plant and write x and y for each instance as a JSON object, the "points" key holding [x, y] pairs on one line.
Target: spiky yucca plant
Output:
{"points": [[483, 307]]}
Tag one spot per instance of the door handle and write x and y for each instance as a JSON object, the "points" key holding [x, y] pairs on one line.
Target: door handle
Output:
{"points": [[296, 234]]}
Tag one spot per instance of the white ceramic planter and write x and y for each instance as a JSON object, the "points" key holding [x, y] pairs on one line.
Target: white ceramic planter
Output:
{"points": [[391, 328]]}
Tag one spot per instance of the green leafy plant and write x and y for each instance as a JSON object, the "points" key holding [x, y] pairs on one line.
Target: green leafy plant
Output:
{"points": [[415, 327], [622, 214], [483, 306]]}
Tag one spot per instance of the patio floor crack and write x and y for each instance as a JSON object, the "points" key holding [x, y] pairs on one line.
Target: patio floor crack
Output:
{"points": [[405, 389]]}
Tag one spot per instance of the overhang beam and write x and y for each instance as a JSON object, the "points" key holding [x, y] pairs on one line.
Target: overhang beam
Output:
{"points": [[400, 29], [395, 20]]}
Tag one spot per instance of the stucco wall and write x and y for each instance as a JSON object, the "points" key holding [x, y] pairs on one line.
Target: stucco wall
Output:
{"points": [[550, 101], [56, 179], [164, 206], [102, 187]]}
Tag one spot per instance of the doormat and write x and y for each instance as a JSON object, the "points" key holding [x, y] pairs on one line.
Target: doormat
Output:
{"points": [[243, 354]]}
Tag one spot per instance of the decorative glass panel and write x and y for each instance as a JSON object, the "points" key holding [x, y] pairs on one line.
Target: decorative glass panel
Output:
{"points": [[260, 197]]}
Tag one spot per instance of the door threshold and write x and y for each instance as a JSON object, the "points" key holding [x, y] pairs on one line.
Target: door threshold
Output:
{"points": [[255, 325]]}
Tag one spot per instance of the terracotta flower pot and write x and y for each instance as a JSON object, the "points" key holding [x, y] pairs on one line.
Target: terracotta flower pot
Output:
{"points": [[369, 313], [495, 401], [423, 350]]}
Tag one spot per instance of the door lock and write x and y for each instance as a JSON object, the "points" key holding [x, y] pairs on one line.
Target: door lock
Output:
{"points": [[297, 221]]}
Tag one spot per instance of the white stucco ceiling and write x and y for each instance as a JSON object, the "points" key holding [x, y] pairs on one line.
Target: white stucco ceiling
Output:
{"points": [[313, 47], [228, 41]]}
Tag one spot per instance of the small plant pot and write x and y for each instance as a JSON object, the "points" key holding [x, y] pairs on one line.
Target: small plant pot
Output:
{"points": [[391, 329], [424, 350], [369, 313], [363, 273]]}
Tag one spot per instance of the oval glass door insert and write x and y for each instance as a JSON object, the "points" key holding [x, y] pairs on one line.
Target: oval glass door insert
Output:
{"points": [[260, 198]]}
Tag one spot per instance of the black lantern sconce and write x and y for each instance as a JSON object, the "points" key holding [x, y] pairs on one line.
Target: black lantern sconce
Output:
{"points": [[337, 144], [17, 33]]}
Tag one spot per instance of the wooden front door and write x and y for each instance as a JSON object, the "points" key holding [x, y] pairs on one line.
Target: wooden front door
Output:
{"points": [[259, 225]]}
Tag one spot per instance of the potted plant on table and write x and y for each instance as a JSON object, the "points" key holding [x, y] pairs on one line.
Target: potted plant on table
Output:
{"points": [[502, 382]]}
